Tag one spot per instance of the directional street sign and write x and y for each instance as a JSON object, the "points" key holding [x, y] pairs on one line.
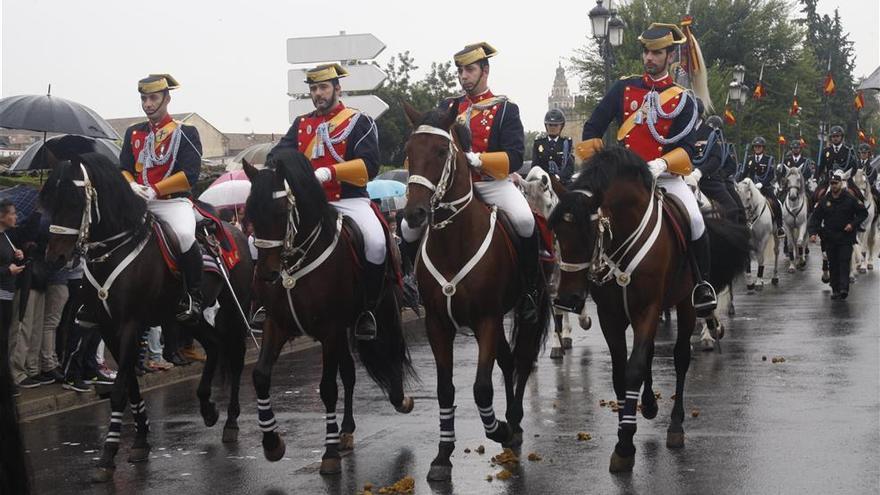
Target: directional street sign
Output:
{"points": [[363, 77], [371, 105], [330, 48]]}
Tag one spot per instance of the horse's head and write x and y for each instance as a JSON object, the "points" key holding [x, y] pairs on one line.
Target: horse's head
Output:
{"points": [[794, 182], [860, 179], [434, 151], [748, 192], [285, 201], [538, 190], [575, 221], [87, 200]]}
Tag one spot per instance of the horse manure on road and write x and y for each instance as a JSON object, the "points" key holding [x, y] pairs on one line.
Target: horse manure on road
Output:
{"points": [[504, 474], [507, 457], [535, 457], [695, 413], [583, 436], [778, 359], [404, 486]]}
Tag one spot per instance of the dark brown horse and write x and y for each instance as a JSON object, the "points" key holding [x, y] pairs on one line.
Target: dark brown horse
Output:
{"points": [[616, 241], [309, 278], [94, 210], [468, 277]]}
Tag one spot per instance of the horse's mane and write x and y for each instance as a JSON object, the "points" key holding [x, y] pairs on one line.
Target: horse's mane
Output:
{"points": [[612, 163], [447, 121], [119, 208], [295, 168]]}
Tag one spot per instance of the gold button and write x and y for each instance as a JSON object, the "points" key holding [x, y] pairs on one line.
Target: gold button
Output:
{"points": [[627, 145], [659, 148], [626, 88]]}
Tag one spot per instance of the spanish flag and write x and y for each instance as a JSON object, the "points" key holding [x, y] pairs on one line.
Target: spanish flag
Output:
{"points": [[759, 91], [862, 137], [795, 108], [781, 140], [872, 141], [859, 102], [729, 117], [803, 142], [828, 87]]}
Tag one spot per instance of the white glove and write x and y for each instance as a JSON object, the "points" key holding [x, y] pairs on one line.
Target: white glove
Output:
{"points": [[697, 174], [149, 193], [759, 185], [657, 166], [323, 175], [474, 159], [145, 192]]}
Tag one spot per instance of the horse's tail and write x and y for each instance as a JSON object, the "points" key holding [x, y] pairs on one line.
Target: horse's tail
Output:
{"points": [[729, 243], [528, 337], [387, 358]]}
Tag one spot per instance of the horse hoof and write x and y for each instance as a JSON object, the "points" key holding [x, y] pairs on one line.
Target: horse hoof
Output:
{"points": [[731, 311], [440, 473], [566, 342], [862, 270], [515, 440], [332, 465], [230, 434], [870, 266], [102, 474], [556, 353], [825, 277], [275, 453], [620, 464], [750, 286], [675, 439], [139, 454], [650, 412], [774, 281], [346, 442], [792, 269], [210, 414], [585, 322], [406, 405]]}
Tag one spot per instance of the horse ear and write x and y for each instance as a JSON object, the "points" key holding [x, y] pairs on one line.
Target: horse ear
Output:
{"points": [[450, 116], [412, 115], [249, 170]]}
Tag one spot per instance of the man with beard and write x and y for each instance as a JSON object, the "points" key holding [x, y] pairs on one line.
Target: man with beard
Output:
{"points": [[657, 119], [343, 146]]}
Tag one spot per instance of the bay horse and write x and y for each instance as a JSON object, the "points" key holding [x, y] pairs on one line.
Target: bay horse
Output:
{"points": [[309, 278], [764, 242], [468, 278], [794, 216], [96, 215], [617, 242]]}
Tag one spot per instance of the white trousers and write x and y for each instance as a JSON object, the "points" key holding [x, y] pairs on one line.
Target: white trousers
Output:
{"points": [[360, 211], [178, 215], [501, 193], [676, 186]]}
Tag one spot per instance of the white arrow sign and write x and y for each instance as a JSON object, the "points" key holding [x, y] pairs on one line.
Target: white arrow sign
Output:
{"points": [[331, 48], [371, 105], [364, 77]]}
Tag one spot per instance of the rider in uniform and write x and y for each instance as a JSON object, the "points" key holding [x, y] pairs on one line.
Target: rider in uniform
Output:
{"points": [[552, 152], [343, 146], [161, 159], [865, 164], [657, 119], [794, 158], [761, 169], [836, 156], [712, 152], [497, 145]]}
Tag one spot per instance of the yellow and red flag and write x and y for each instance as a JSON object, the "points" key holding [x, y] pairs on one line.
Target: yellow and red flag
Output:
{"points": [[781, 140], [795, 108], [862, 137], [803, 142], [872, 141], [828, 86], [729, 117], [859, 102], [759, 91]]}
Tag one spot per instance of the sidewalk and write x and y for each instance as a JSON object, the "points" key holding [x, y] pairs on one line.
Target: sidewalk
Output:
{"points": [[51, 399]]}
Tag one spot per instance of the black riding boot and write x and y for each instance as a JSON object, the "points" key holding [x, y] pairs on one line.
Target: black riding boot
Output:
{"points": [[777, 216], [85, 318], [529, 267], [189, 309], [703, 297], [366, 327]]}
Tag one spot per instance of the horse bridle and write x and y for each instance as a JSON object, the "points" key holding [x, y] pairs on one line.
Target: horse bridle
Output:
{"points": [[440, 189], [801, 187], [82, 232]]}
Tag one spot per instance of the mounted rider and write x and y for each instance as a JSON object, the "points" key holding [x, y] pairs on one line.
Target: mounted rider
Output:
{"points": [[161, 159], [657, 118], [836, 156], [343, 146], [761, 169], [864, 163], [497, 144], [552, 152], [712, 154], [795, 159]]}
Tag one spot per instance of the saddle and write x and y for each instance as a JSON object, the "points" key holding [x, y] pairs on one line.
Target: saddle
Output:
{"points": [[213, 238]]}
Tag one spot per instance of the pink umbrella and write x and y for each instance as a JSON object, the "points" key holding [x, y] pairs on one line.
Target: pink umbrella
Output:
{"points": [[228, 176]]}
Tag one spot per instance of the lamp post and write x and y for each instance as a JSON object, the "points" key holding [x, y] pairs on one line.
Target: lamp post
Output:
{"points": [[608, 32], [738, 93]]}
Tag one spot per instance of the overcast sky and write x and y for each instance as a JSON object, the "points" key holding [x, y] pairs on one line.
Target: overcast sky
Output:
{"points": [[230, 55]]}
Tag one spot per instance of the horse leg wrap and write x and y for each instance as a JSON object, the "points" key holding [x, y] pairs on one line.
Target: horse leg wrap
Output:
{"points": [[487, 415], [115, 427], [761, 271], [447, 425], [265, 415], [142, 423], [332, 436], [627, 414]]}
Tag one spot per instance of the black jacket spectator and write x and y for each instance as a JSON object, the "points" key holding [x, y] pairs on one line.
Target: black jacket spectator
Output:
{"points": [[832, 215]]}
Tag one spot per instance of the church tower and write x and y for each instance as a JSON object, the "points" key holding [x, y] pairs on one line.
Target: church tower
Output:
{"points": [[560, 97]]}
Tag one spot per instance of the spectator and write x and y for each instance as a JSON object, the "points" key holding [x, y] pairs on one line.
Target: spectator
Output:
{"points": [[155, 360], [10, 256]]}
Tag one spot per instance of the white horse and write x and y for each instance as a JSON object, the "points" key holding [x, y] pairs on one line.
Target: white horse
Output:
{"points": [[764, 242], [794, 217], [864, 250], [541, 197]]}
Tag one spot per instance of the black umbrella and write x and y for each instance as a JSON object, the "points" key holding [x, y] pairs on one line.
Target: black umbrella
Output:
{"points": [[64, 147], [398, 174], [24, 198], [47, 113]]}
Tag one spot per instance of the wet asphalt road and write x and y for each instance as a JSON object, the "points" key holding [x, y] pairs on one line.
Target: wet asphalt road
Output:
{"points": [[808, 425]]}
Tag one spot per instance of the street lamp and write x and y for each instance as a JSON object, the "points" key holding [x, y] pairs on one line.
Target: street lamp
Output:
{"points": [[739, 74], [599, 16], [616, 26], [608, 32], [734, 91]]}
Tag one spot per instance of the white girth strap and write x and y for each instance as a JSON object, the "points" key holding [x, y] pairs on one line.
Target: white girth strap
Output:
{"points": [[104, 290], [288, 280], [449, 287]]}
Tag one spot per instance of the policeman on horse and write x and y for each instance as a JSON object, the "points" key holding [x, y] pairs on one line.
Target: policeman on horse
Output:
{"points": [[836, 156], [657, 119], [343, 146], [497, 144], [794, 159], [161, 159], [712, 165], [871, 172], [761, 168], [554, 153]]}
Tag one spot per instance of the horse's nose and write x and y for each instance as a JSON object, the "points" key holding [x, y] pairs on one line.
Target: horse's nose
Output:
{"points": [[416, 216]]}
